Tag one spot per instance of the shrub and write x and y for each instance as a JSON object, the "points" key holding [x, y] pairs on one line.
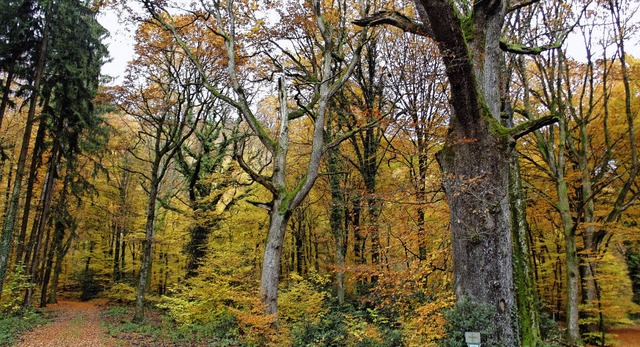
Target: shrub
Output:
{"points": [[89, 287], [121, 293], [345, 326], [467, 315], [12, 325], [17, 283]]}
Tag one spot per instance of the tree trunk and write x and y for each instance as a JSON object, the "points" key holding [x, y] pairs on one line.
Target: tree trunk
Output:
{"points": [[36, 161], [6, 93], [279, 217], [572, 261], [523, 274], [61, 252], [40, 226], [58, 237], [145, 264], [476, 189], [120, 225], [337, 218], [6, 239], [476, 157]]}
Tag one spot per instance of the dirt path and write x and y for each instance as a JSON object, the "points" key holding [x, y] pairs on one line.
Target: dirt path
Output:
{"points": [[627, 337], [74, 324]]}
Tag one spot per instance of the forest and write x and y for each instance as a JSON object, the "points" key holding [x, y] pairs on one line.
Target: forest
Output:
{"points": [[326, 172]]}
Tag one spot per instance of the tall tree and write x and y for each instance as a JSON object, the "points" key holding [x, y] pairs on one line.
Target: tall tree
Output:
{"points": [[166, 96], [317, 73], [477, 186], [6, 239]]}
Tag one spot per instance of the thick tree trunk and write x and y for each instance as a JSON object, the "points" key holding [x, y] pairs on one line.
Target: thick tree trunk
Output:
{"points": [[476, 157], [279, 217], [476, 188]]}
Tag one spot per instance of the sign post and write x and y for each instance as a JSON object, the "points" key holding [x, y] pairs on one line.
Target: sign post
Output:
{"points": [[472, 339]]}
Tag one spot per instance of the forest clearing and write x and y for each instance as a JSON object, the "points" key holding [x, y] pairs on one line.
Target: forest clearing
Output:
{"points": [[321, 173]]}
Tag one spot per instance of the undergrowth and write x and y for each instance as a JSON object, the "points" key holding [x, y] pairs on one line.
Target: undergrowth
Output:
{"points": [[160, 330], [11, 325]]}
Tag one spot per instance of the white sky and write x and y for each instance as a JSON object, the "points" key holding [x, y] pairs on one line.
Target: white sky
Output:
{"points": [[120, 43]]}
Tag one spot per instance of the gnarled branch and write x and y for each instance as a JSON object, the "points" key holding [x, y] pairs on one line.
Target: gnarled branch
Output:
{"points": [[396, 19], [521, 4], [519, 49], [532, 125]]}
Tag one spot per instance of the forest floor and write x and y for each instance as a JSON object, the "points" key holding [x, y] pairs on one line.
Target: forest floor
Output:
{"points": [[73, 324], [94, 323], [626, 336], [85, 324]]}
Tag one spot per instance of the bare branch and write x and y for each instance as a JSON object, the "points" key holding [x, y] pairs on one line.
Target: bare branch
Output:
{"points": [[519, 49], [261, 179], [532, 125], [396, 19], [267, 206], [521, 4]]}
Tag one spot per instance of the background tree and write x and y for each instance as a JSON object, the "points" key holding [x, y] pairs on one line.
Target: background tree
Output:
{"points": [[167, 97], [314, 103]]}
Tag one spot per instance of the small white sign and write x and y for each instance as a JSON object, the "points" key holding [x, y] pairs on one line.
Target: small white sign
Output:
{"points": [[472, 338]]}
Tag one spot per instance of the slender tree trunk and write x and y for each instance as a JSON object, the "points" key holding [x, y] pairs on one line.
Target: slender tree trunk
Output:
{"points": [[523, 275], [6, 239], [571, 254], [40, 226], [147, 243], [58, 237], [6, 94], [120, 225], [527, 298], [36, 160], [61, 252], [337, 219]]}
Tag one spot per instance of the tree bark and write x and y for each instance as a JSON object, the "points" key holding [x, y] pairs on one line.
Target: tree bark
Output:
{"points": [[278, 220], [35, 246], [528, 310], [476, 157], [337, 215], [6, 239], [6, 93], [147, 243]]}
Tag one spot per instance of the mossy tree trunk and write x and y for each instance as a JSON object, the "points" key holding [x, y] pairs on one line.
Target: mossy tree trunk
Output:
{"points": [[476, 158]]}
